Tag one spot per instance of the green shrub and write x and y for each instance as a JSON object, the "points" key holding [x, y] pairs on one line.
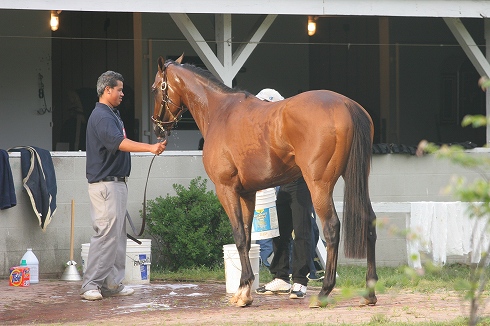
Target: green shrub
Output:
{"points": [[189, 229]]}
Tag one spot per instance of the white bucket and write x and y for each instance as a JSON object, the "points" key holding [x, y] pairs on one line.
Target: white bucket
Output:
{"points": [[265, 224], [85, 247], [233, 267], [138, 261]]}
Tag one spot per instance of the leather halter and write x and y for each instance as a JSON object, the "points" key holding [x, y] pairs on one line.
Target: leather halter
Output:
{"points": [[166, 126]]}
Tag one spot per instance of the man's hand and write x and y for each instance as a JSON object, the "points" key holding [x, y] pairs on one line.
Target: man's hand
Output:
{"points": [[159, 147]]}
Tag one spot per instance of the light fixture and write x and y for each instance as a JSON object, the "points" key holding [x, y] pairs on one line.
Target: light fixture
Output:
{"points": [[55, 20], [312, 25]]}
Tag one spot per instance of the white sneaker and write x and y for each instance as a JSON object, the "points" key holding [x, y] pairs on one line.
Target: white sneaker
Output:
{"points": [[276, 286], [92, 295], [125, 291], [298, 291]]}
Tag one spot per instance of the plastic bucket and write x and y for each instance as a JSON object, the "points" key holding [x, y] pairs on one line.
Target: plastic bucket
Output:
{"points": [[138, 261], [265, 224], [233, 267]]}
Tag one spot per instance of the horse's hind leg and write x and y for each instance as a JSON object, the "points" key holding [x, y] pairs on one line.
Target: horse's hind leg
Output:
{"points": [[331, 231], [371, 276]]}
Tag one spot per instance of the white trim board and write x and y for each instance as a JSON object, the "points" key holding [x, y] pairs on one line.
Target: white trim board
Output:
{"points": [[403, 8]]}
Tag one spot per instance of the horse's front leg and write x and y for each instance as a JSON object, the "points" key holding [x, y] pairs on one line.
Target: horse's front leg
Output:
{"points": [[240, 212], [243, 296]]}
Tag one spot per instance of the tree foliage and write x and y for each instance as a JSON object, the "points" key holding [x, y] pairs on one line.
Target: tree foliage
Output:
{"points": [[189, 229], [477, 195]]}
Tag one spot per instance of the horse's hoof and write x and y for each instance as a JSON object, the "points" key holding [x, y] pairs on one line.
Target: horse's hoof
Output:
{"points": [[318, 302], [239, 302], [369, 301], [243, 303]]}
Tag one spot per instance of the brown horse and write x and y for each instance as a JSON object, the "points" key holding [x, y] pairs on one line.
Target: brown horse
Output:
{"points": [[251, 145]]}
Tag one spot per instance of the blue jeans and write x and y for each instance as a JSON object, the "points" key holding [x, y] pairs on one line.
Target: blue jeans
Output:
{"points": [[265, 250]]}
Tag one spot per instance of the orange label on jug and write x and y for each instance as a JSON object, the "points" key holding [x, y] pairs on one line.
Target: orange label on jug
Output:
{"points": [[20, 276]]}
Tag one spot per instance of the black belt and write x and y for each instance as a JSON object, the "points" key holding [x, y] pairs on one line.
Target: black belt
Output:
{"points": [[112, 178]]}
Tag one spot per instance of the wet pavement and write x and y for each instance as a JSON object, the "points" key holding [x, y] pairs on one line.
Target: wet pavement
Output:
{"points": [[56, 302]]}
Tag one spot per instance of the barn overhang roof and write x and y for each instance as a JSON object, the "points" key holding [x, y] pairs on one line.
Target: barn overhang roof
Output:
{"points": [[409, 8]]}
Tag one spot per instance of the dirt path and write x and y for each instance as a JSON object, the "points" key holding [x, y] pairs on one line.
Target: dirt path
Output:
{"points": [[58, 302]]}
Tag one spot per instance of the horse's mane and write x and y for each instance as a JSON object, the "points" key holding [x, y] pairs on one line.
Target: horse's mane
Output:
{"points": [[208, 75]]}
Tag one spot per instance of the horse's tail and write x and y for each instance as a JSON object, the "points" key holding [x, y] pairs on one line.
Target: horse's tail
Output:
{"points": [[357, 205]]}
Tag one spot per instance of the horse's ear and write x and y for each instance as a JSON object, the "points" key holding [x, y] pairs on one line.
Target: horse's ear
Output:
{"points": [[161, 63], [179, 60]]}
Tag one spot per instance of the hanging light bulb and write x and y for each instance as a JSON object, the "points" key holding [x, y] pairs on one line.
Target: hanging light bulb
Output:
{"points": [[55, 20], [311, 25]]}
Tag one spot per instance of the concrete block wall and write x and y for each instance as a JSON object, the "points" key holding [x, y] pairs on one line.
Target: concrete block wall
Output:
{"points": [[394, 178], [19, 226], [399, 178]]}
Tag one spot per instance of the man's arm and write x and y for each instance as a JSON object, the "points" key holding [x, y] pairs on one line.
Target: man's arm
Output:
{"points": [[128, 145]]}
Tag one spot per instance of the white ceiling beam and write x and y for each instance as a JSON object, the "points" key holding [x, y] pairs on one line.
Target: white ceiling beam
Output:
{"points": [[198, 43], [404, 8], [468, 45], [245, 49], [224, 64]]}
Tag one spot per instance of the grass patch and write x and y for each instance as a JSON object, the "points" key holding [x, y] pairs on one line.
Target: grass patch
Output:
{"points": [[382, 320], [195, 274], [350, 277], [403, 277]]}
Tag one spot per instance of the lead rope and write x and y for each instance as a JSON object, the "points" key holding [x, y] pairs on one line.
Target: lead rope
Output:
{"points": [[143, 223]]}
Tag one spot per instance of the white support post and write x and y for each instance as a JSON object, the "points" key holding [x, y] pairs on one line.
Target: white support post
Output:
{"points": [[321, 252], [486, 23], [223, 35]]}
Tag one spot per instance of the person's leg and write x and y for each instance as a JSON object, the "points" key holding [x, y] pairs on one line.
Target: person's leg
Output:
{"points": [[315, 234], [279, 266], [265, 250], [113, 283], [103, 248], [280, 262], [301, 207]]}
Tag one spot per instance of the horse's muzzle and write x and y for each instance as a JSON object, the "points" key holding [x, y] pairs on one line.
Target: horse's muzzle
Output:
{"points": [[159, 132]]}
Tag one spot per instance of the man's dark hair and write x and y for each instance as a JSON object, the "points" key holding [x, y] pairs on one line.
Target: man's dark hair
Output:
{"points": [[108, 78]]}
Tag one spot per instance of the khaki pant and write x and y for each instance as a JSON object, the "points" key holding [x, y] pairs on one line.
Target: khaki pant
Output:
{"points": [[107, 253]]}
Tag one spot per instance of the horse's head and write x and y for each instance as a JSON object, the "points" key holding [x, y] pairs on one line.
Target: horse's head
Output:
{"points": [[168, 106]]}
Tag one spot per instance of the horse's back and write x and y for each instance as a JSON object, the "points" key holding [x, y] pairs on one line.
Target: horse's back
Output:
{"points": [[319, 114], [324, 100]]}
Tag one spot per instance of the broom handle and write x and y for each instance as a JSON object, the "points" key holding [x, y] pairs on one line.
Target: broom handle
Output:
{"points": [[72, 235]]}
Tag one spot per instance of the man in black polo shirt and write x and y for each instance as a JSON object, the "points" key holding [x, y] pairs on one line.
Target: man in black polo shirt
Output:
{"points": [[107, 168]]}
